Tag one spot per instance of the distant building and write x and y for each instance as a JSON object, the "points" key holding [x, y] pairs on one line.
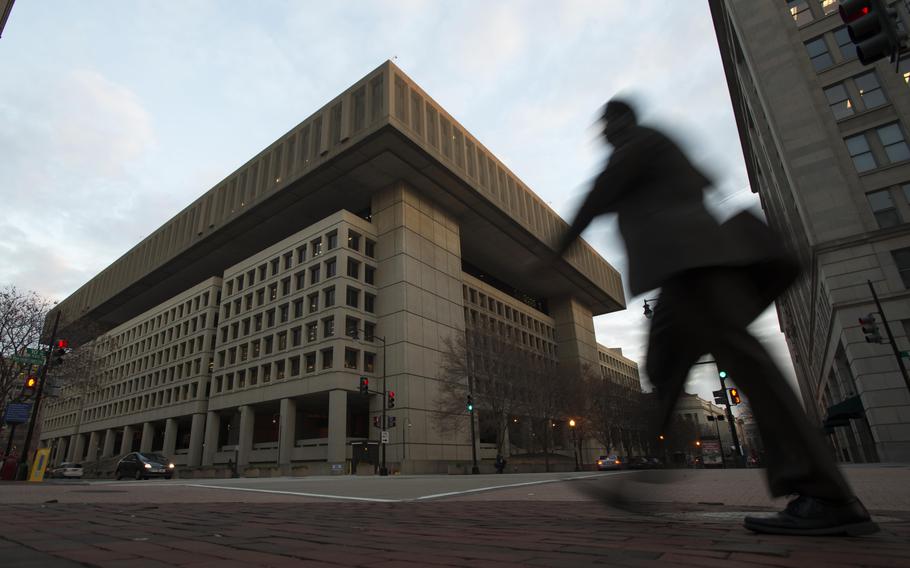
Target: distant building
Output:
{"points": [[6, 6], [825, 141], [351, 247]]}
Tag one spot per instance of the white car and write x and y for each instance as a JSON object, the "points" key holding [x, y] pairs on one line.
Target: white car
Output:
{"points": [[68, 470]]}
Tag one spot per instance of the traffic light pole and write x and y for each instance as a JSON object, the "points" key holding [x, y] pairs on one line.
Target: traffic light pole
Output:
{"points": [[733, 435], [26, 447], [897, 353], [383, 470]]}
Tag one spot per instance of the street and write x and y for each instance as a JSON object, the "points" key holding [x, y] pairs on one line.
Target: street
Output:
{"points": [[484, 520]]}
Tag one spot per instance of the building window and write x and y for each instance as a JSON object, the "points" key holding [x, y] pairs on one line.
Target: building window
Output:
{"points": [[883, 208], [369, 331], [845, 44], [353, 268], [870, 90], [275, 263], [799, 11], [353, 240], [892, 138], [350, 358], [301, 254], [282, 340], [369, 248], [839, 101], [328, 327], [331, 267], [369, 274], [314, 274], [273, 292], [295, 366], [818, 54], [332, 240], [288, 258], [314, 302], [829, 6], [351, 327], [327, 358], [316, 246], [298, 308], [353, 297], [311, 332], [902, 261], [862, 156], [295, 336], [329, 296], [369, 362], [310, 362], [285, 286], [301, 280], [369, 303]]}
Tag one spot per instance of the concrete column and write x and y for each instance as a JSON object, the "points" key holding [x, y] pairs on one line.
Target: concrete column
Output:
{"points": [[93, 440], [197, 435], [78, 448], [108, 449], [170, 438], [338, 426], [245, 441], [287, 430], [148, 436], [62, 446], [212, 425], [126, 445]]}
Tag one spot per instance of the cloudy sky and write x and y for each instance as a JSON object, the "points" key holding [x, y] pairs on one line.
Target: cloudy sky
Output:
{"points": [[116, 115]]}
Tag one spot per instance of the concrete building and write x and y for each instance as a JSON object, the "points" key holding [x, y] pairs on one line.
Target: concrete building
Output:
{"points": [[825, 146], [350, 247]]}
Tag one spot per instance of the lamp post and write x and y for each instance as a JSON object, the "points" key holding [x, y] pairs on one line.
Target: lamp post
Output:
{"points": [[474, 468], [574, 442]]}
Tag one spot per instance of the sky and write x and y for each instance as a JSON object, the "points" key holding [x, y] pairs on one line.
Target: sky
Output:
{"points": [[116, 115]]}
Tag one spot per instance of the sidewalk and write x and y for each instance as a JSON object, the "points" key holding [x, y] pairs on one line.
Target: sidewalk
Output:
{"points": [[438, 533]]}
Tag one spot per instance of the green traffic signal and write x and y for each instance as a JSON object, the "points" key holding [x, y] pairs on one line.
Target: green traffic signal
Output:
{"points": [[723, 374]]}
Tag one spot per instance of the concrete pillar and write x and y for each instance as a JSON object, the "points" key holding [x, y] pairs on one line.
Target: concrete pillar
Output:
{"points": [[245, 442], [170, 438], [338, 426], [93, 440], [212, 426], [78, 448], [148, 436], [287, 431], [62, 446], [126, 445], [197, 435], [108, 449]]}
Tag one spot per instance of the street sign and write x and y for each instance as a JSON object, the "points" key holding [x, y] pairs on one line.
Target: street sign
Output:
{"points": [[36, 353], [42, 456], [27, 359], [385, 437], [17, 412]]}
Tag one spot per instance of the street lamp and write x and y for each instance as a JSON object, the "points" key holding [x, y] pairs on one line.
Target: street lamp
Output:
{"points": [[574, 442]]}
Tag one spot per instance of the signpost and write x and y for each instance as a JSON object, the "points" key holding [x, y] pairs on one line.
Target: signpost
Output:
{"points": [[39, 465], [385, 437], [17, 412], [711, 455]]}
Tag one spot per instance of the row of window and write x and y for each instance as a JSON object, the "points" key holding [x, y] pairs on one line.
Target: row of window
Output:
{"points": [[286, 261], [883, 205], [475, 320], [184, 309], [889, 138], [294, 366], [493, 305], [842, 97], [802, 14], [271, 292]]}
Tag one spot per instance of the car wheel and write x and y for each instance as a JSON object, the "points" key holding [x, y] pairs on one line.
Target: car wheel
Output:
{"points": [[118, 475], [167, 476], [138, 475]]}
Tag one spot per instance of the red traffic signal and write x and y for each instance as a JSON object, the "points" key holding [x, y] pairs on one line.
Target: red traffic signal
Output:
{"points": [[62, 344], [391, 399], [873, 27], [364, 385]]}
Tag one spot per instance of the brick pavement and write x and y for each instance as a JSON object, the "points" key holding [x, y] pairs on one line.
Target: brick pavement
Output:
{"points": [[435, 533]]}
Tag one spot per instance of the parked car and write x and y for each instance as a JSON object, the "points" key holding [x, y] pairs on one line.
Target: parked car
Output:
{"points": [[67, 470], [141, 465], [606, 463], [639, 462]]}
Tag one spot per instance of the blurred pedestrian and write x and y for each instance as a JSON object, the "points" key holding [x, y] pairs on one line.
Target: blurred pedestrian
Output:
{"points": [[715, 279], [500, 463]]}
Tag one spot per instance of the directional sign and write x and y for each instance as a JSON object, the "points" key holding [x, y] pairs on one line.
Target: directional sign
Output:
{"points": [[36, 353], [27, 359], [385, 437], [17, 412]]}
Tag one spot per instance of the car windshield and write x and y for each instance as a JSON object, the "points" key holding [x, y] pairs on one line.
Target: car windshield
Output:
{"points": [[153, 458]]}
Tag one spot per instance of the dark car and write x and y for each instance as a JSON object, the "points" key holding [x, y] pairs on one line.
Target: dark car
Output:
{"points": [[607, 463], [141, 465], [638, 462]]}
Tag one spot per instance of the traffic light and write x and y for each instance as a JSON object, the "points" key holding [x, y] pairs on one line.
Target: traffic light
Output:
{"points": [[392, 421], [59, 351], [734, 396], [870, 329], [720, 396], [722, 374], [391, 399], [873, 28], [364, 385], [470, 404], [31, 383], [377, 421]]}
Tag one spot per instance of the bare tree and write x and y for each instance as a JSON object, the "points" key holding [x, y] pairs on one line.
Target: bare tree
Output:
{"points": [[489, 367], [22, 315]]}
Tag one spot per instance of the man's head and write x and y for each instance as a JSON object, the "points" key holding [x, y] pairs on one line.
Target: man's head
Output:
{"points": [[618, 115]]}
